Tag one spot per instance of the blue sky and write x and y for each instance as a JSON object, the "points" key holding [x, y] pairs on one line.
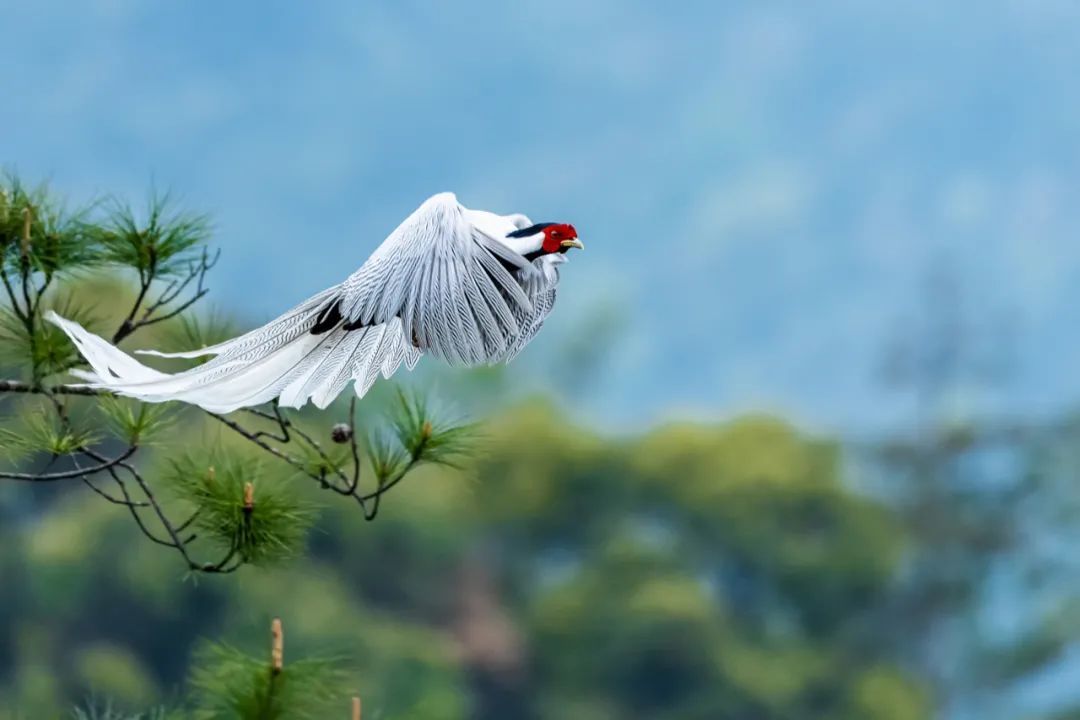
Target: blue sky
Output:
{"points": [[761, 186]]}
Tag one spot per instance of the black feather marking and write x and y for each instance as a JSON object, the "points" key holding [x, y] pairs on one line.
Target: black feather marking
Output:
{"points": [[531, 230], [328, 318], [510, 267], [355, 325]]}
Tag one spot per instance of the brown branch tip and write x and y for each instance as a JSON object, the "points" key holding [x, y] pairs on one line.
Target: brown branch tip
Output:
{"points": [[356, 708], [249, 497], [277, 646]]}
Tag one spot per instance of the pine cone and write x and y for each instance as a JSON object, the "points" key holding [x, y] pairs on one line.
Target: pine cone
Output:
{"points": [[341, 433]]}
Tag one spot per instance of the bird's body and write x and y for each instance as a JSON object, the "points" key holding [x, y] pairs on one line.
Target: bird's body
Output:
{"points": [[468, 286]]}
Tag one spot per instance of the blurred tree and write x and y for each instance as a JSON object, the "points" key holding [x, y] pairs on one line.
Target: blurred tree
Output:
{"points": [[693, 572], [984, 501], [229, 684], [722, 572]]}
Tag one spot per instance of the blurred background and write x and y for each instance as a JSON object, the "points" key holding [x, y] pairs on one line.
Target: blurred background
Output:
{"points": [[800, 440]]}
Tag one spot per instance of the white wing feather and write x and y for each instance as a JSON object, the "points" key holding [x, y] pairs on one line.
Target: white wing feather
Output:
{"points": [[432, 272]]}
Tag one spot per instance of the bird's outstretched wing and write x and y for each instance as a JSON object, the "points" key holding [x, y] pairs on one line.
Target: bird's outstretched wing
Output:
{"points": [[456, 289]]}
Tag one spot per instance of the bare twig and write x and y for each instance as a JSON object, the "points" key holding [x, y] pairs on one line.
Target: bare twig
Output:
{"points": [[70, 474], [16, 386], [196, 273]]}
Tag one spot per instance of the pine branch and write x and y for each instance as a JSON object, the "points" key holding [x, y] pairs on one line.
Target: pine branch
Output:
{"points": [[159, 310], [105, 464], [231, 684], [245, 517], [228, 684]]}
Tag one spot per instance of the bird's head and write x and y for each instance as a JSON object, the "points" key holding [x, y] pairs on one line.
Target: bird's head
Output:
{"points": [[545, 239]]}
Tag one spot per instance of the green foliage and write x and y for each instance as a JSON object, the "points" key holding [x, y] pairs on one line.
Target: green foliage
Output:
{"points": [[53, 352], [619, 589], [388, 459], [271, 529], [427, 437], [116, 673], [38, 234], [94, 711], [231, 685], [37, 431], [320, 461], [47, 349], [134, 422], [162, 243], [43, 245]]}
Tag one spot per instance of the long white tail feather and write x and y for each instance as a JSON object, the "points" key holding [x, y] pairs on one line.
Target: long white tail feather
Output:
{"points": [[201, 352], [257, 382], [105, 359], [281, 359], [275, 333]]}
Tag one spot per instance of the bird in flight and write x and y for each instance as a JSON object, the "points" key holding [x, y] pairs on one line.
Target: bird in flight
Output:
{"points": [[467, 286]]}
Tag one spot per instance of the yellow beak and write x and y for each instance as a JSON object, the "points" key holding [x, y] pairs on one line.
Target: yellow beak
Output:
{"points": [[573, 243]]}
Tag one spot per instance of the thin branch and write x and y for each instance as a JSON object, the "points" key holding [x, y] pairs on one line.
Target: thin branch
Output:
{"points": [[187, 523], [16, 386], [254, 437], [196, 272], [24, 269], [383, 488], [135, 513], [39, 293], [353, 446], [172, 313], [282, 422], [288, 429], [112, 498], [181, 546], [70, 474], [128, 325], [176, 542], [11, 292], [127, 501], [176, 287]]}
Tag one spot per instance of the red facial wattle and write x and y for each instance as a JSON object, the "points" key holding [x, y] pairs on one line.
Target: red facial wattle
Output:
{"points": [[555, 235]]}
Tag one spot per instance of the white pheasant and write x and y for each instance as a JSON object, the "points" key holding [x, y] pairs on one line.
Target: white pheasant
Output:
{"points": [[468, 286]]}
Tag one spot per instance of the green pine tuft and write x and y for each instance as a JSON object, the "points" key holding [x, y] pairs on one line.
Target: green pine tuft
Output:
{"points": [[134, 422], [162, 243], [41, 432], [59, 241], [230, 684], [427, 437], [273, 529]]}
